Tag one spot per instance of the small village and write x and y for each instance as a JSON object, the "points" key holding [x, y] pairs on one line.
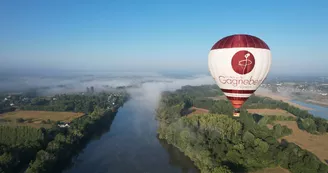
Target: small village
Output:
{"points": [[314, 88]]}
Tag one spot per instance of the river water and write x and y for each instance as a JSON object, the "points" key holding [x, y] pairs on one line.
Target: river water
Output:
{"points": [[318, 111], [131, 145]]}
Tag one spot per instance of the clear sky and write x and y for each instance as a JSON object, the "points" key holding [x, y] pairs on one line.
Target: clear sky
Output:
{"points": [[158, 35]]}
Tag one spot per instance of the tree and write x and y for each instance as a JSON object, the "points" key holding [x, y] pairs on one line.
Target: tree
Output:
{"points": [[261, 146], [188, 103], [309, 125], [248, 137], [20, 120], [43, 162], [6, 159], [277, 130], [221, 169], [263, 121]]}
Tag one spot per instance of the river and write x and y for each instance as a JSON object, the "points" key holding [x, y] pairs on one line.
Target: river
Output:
{"points": [[131, 145], [316, 110]]}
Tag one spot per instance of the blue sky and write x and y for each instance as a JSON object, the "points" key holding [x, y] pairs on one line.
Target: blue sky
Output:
{"points": [[157, 35]]}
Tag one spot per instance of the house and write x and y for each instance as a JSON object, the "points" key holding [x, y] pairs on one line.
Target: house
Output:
{"points": [[63, 125]]}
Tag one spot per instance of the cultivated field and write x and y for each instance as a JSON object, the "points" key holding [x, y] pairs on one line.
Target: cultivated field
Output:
{"points": [[199, 110], [317, 144], [270, 112], [35, 118]]}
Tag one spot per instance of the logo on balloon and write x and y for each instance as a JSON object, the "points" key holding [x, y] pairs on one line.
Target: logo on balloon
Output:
{"points": [[243, 62]]}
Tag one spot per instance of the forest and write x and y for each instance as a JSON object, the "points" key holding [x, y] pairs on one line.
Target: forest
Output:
{"points": [[220, 143], [49, 150]]}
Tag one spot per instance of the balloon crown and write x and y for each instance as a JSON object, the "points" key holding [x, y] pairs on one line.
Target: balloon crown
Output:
{"points": [[240, 40]]}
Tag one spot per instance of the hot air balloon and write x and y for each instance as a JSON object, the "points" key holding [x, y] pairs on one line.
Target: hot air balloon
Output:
{"points": [[239, 64]]}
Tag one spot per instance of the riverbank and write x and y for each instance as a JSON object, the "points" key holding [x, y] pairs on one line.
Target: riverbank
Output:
{"points": [[324, 104], [59, 152], [276, 96]]}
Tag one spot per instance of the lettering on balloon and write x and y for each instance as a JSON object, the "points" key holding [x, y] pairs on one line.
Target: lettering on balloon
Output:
{"points": [[239, 81]]}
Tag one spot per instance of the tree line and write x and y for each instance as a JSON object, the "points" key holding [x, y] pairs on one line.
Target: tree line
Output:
{"points": [[71, 103]]}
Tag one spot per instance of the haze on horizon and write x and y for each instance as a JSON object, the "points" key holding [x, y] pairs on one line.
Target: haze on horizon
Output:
{"points": [[169, 36]]}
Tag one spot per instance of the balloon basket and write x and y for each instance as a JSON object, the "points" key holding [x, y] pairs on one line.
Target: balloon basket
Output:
{"points": [[236, 113]]}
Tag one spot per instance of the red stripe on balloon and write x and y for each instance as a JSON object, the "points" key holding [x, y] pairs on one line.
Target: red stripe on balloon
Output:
{"points": [[238, 91], [237, 98], [237, 102]]}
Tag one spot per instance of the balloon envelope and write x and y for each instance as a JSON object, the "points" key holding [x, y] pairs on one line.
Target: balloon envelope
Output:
{"points": [[239, 64]]}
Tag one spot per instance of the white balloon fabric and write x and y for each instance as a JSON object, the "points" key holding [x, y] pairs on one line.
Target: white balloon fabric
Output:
{"points": [[239, 64]]}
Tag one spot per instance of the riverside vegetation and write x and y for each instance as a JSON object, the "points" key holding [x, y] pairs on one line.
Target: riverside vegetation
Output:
{"points": [[40, 150], [220, 143]]}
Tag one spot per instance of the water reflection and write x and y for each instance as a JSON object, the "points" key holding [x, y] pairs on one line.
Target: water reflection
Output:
{"points": [[103, 128], [178, 159]]}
